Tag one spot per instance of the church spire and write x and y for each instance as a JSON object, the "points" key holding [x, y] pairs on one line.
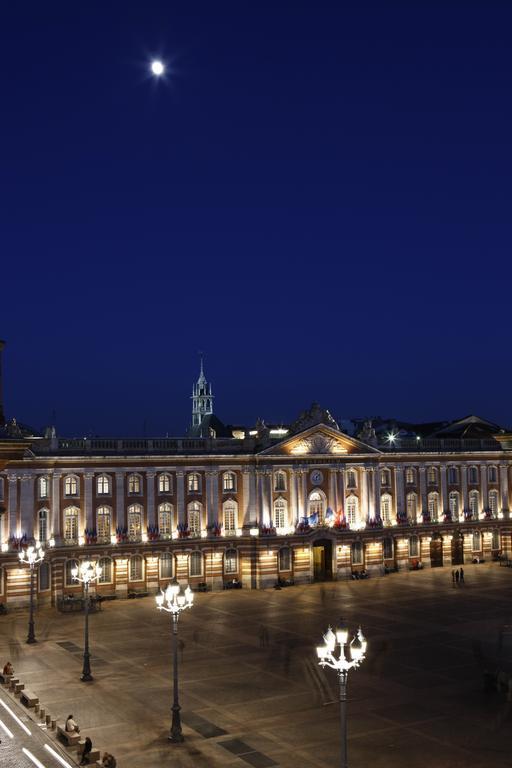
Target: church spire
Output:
{"points": [[202, 398]]}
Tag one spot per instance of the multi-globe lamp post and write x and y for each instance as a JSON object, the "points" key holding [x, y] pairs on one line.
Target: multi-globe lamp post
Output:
{"points": [[86, 573], [32, 556], [174, 601], [339, 654]]}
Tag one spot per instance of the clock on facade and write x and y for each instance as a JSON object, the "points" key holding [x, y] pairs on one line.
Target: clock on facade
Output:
{"points": [[316, 477]]}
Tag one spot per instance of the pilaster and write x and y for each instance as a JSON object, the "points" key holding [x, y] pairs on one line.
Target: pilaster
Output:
{"points": [[120, 505], [504, 488], [180, 496], [150, 498], [55, 525]]}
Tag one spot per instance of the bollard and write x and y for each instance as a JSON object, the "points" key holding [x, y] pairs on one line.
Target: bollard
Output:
{"points": [[42, 713], [53, 724], [48, 719], [36, 709]]}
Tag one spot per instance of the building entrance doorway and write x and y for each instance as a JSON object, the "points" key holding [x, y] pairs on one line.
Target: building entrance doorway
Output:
{"points": [[322, 560], [458, 549], [436, 552]]}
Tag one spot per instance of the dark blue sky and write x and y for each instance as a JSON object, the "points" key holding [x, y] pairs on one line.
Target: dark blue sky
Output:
{"points": [[319, 197]]}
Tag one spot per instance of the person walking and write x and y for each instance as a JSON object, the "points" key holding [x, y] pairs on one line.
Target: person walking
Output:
{"points": [[461, 575], [453, 577], [86, 751], [457, 576]]}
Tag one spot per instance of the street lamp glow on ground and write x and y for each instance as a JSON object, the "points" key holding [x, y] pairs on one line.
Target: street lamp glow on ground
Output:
{"points": [[173, 601], [349, 656], [87, 573], [31, 557]]}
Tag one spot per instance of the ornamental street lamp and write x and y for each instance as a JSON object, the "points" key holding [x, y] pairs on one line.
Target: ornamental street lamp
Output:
{"points": [[174, 602], [87, 573], [31, 557], [350, 656]]}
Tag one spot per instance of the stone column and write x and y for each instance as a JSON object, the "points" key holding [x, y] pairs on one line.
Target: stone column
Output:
{"points": [[150, 496], [208, 498], [444, 491], [484, 502], [364, 494], [292, 491], [215, 496], [90, 514], [270, 497], [423, 490], [120, 505], [400, 489], [304, 491], [26, 511], [464, 485], [299, 513], [180, 496], [55, 525], [331, 502], [504, 488], [246, 490], [341, 491]]}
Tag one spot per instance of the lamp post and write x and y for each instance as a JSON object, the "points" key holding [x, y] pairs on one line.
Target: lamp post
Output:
{"points": [[87, 573], [31, 557], [173, 601], [349, 656]]}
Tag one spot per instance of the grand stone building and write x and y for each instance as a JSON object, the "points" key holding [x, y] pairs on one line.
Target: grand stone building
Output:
{"points": [[299, 502]]}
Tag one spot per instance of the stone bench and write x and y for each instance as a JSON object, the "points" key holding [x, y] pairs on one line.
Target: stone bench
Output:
{"points": [[29, 699], [5, 679], [70, 738], [17, 687]]}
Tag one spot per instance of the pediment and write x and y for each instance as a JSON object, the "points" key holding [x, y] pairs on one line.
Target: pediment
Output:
{"points": [[319, 440]]}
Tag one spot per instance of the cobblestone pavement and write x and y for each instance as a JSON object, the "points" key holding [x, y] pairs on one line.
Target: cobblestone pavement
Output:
{"points": [[258, 698]]}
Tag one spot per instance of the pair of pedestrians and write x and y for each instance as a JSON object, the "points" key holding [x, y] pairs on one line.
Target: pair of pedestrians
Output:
{"points": [[458, 576]]}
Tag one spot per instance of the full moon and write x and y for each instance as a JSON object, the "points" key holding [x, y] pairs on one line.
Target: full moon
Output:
{"points": [[157, 68]]}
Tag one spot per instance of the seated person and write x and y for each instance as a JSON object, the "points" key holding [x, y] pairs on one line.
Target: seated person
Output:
{"points": [[86, 751], [108, 761], [8, 668], [71, 726]]}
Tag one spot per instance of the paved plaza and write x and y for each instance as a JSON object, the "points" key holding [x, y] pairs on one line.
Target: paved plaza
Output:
{"points": [[417, 700]]}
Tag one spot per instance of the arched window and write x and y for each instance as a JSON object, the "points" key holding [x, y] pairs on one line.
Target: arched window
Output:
{"points": [[473, 475], [412, 505], [230, 514], [194, 517], [493, 474], [166, 563], [431, 475], [351, 478], [194, 482], [453, 501], [284, 562], [433, 505], [103, 524], [453, 475], [105, 564], [410, 476], [414, 546], [134, 485], [103, 485], [134, 522], [357, 553], [477, 541], [385, 508], [280, 513], [474, 504], [68, 576], [228, 482], [71, 485], [493, 503], [195, 564], [136, 572], [71, 524], [231, 561], [495, 540], [352, 509], [43, 525], [385, 478], [44, 576], [43, 487], [164, 483], [280, 480], [316, 505], [165, 519]]}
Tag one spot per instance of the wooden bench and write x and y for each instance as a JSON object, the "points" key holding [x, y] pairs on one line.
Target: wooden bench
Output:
{"points": [[70, 738], [29, 699]]}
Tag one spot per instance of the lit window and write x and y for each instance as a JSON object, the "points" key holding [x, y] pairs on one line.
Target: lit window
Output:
{"points": [[474, 503], [71, 524], [165, 519], [105, 564], [228, 482], [70, 486], [357, 553], [136, 568], [280, 513], [43, 487], [410, 476], [230, 516], [70, 565], [317, 505], [103, 522], [134, 522], [493, 503], [134, 484], [385, 477], [166, 565], [385, 508], [433, 506], [412, 505], [352, 509], [351, 479], [280, 481], [495, 540], [43, 525], [414, 546], [453, 475], [477, 541], [453, 501], [387, 548], [103, 485], [285, 559], [473, 475], [194, 518], [431, 475], [44, 576], [493, 475], [196, 564], [194, 482], [231, 561], [164, 484]]}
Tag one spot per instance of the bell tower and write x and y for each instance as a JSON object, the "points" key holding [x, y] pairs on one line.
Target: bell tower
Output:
{"points": [[202, 399]]}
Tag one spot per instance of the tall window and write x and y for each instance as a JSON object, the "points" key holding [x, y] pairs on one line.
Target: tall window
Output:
{"points": [[136, 568], [351, 479], [194, 482], [135, 522], [68, 576], [317, 505], [414, 546], [285, 559], [493, 503], [433, 505], [453, 475], [71, 524], [103, 485], [412, 505], [43, 525], [477, 541], [473, 475], [230, 517], [164, 483], [410, 476], [228, 482], [493, 474], [453, 500], [105, 564], [280, 513], [231, 561], [43, 487], [357, 553], [44, 576], [195, 564], [166, 565], [165, 519], [495, 540], [387, 548], [134, 484], [194, 518], [474, 504], [385, 507], [1, 489], [352, 509], [431, 475], [103, 523], [385, 478], [280, 480], [71, 486]]}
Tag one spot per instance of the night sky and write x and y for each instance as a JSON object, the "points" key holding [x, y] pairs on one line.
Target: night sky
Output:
{"points": [[318, 196]]}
